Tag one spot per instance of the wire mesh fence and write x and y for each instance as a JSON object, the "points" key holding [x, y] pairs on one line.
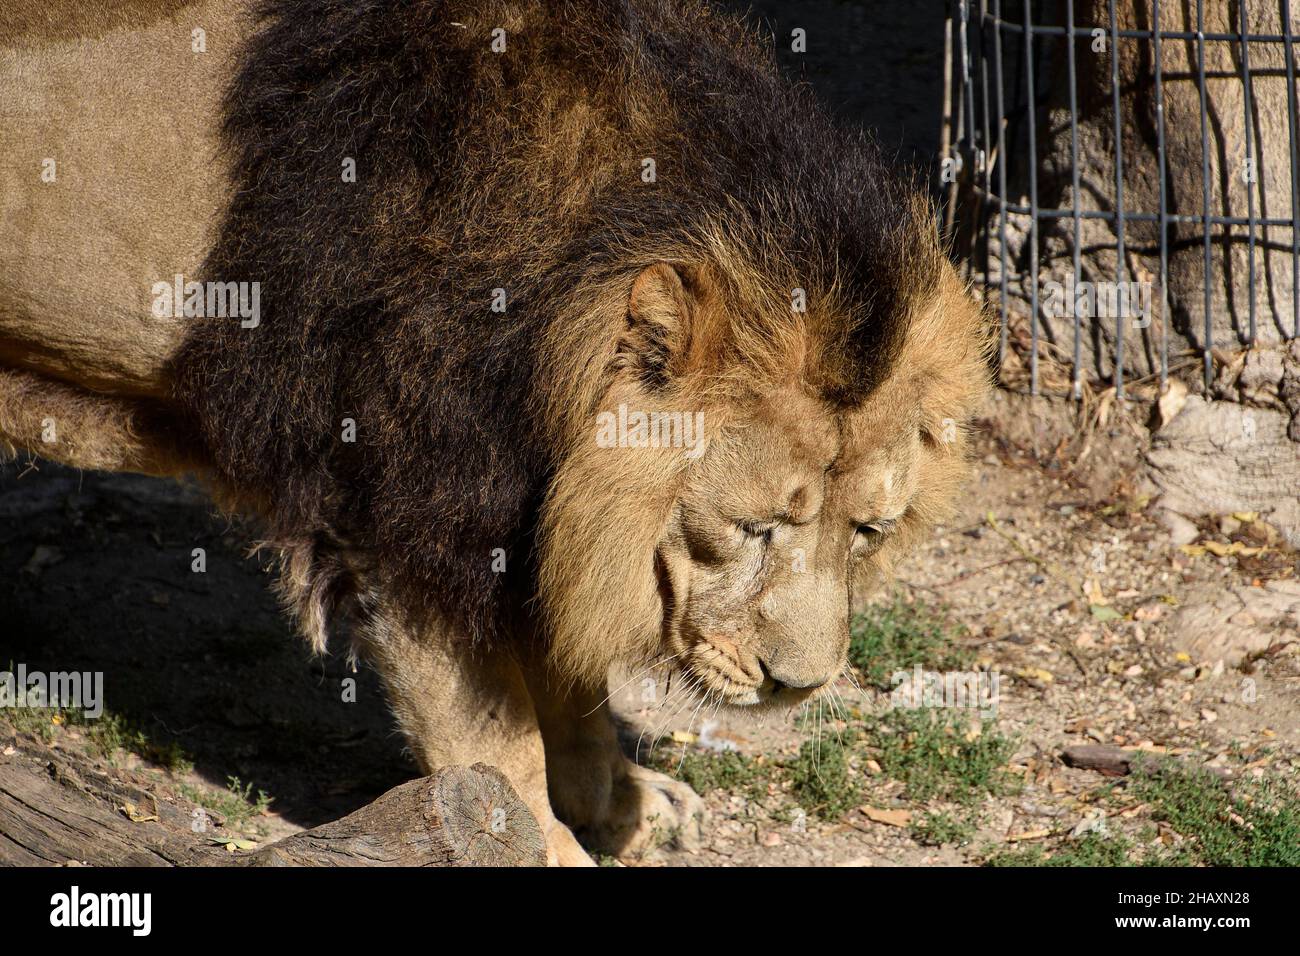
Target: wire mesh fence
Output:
{"points": [[1122, 178]]}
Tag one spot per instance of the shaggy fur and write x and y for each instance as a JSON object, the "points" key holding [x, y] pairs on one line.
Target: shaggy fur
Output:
{"points": [[76, 427], [522, 170]]}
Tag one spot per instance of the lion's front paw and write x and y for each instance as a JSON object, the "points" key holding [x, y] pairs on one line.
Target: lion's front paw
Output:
{"points": [[648, 810], [562, 849]]}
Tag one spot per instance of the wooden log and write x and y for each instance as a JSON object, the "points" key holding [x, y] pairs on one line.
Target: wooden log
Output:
{"points": [[57, 808], [459, 816], [1117, 762], [1111, 761]]}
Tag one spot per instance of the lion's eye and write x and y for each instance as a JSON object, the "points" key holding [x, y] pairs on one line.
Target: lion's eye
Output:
{"points": [[758, 530], [871, 535]]}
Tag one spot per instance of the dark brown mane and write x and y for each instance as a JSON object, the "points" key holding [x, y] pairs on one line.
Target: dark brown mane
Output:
{"points": [[518, 170]]}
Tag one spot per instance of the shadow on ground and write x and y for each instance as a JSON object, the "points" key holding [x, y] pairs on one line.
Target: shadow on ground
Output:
{"points": [[96, 575]]}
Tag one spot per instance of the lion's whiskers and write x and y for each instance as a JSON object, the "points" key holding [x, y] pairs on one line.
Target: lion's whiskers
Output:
{"points": [[847, 673], [658, 732], [644, 673]]}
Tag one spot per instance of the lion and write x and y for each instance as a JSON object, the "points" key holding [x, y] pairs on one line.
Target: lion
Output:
{"points": [[540, 338]]}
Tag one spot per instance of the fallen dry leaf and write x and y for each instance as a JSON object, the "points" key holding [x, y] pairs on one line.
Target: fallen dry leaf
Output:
{"points": [[1028, 835], [135, 815], [1172, 399], [891, 818], [1036, 673], [1092, 591]]}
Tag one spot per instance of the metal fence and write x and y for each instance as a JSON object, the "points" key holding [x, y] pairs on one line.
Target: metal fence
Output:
{"points": [[1012, 62]]}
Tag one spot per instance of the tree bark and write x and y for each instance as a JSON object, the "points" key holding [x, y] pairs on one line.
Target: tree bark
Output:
{"points": [[56, 808], [1246, 169], [459, 816]]}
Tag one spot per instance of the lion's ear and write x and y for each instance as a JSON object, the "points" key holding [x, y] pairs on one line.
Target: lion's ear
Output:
{"points": [[659, 319]]}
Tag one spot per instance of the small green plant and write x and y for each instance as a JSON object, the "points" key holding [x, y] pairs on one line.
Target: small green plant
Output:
{"points": [[1091, 849], [885, 639], [1248, 823], [112, 733], [1243, 823], [822, 780], [237, 804], [730, 770], [939, 828], [106, 735], [941, 755]]}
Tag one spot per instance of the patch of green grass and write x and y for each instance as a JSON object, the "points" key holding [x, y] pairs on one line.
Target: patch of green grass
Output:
{"points": [[1248, 823], [1092, 849], [106, 735], [939, 828], [939, 754], [730, 770], [113, 732], [237, 804], [822, 780], [885, 639]]}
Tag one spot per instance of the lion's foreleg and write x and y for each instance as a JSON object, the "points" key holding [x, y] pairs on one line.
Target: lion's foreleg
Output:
{"points": [[458, 704], [612, 804]]}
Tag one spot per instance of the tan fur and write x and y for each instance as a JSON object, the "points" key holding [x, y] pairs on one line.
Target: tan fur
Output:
{"points": [[137, 191], [603, 554], [74, 427]]}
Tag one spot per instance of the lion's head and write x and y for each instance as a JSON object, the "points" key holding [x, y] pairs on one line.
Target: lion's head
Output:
{"points": [[746, 472]]}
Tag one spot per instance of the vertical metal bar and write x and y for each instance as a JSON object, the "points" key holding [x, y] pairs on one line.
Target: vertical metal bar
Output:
{"points": [[1205, 191], [1120, 268], [1289, 39], [1164, 200], [1002, 176], [1254, 165], [968, 86], [1031, 109], [1077, 375], [948, 121], [986, 142]]}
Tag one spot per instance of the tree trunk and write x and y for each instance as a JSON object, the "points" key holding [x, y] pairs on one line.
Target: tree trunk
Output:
{"points": [[457, 817], [1247, 170], [56, 808]]}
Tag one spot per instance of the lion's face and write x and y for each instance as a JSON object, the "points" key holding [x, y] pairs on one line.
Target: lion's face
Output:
{"points": [[737, 560], [762, 546]]}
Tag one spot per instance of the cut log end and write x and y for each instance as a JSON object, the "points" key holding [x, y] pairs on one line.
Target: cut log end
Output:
{"points": [[458, 816], [482, 821]]}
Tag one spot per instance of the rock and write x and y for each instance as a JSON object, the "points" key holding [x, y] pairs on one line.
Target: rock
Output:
{"points": [[1217, 624], [1215, 458], [1181, 529]]}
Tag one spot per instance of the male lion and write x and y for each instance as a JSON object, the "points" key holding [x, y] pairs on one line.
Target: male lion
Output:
{"points": [[461, 255]]}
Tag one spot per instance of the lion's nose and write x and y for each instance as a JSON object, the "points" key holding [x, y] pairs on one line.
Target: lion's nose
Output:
{"points": [[792, 681]]}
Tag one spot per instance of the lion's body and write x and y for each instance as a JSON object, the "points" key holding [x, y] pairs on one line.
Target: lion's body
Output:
{"points": [[111, 179], [476, 225]]}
